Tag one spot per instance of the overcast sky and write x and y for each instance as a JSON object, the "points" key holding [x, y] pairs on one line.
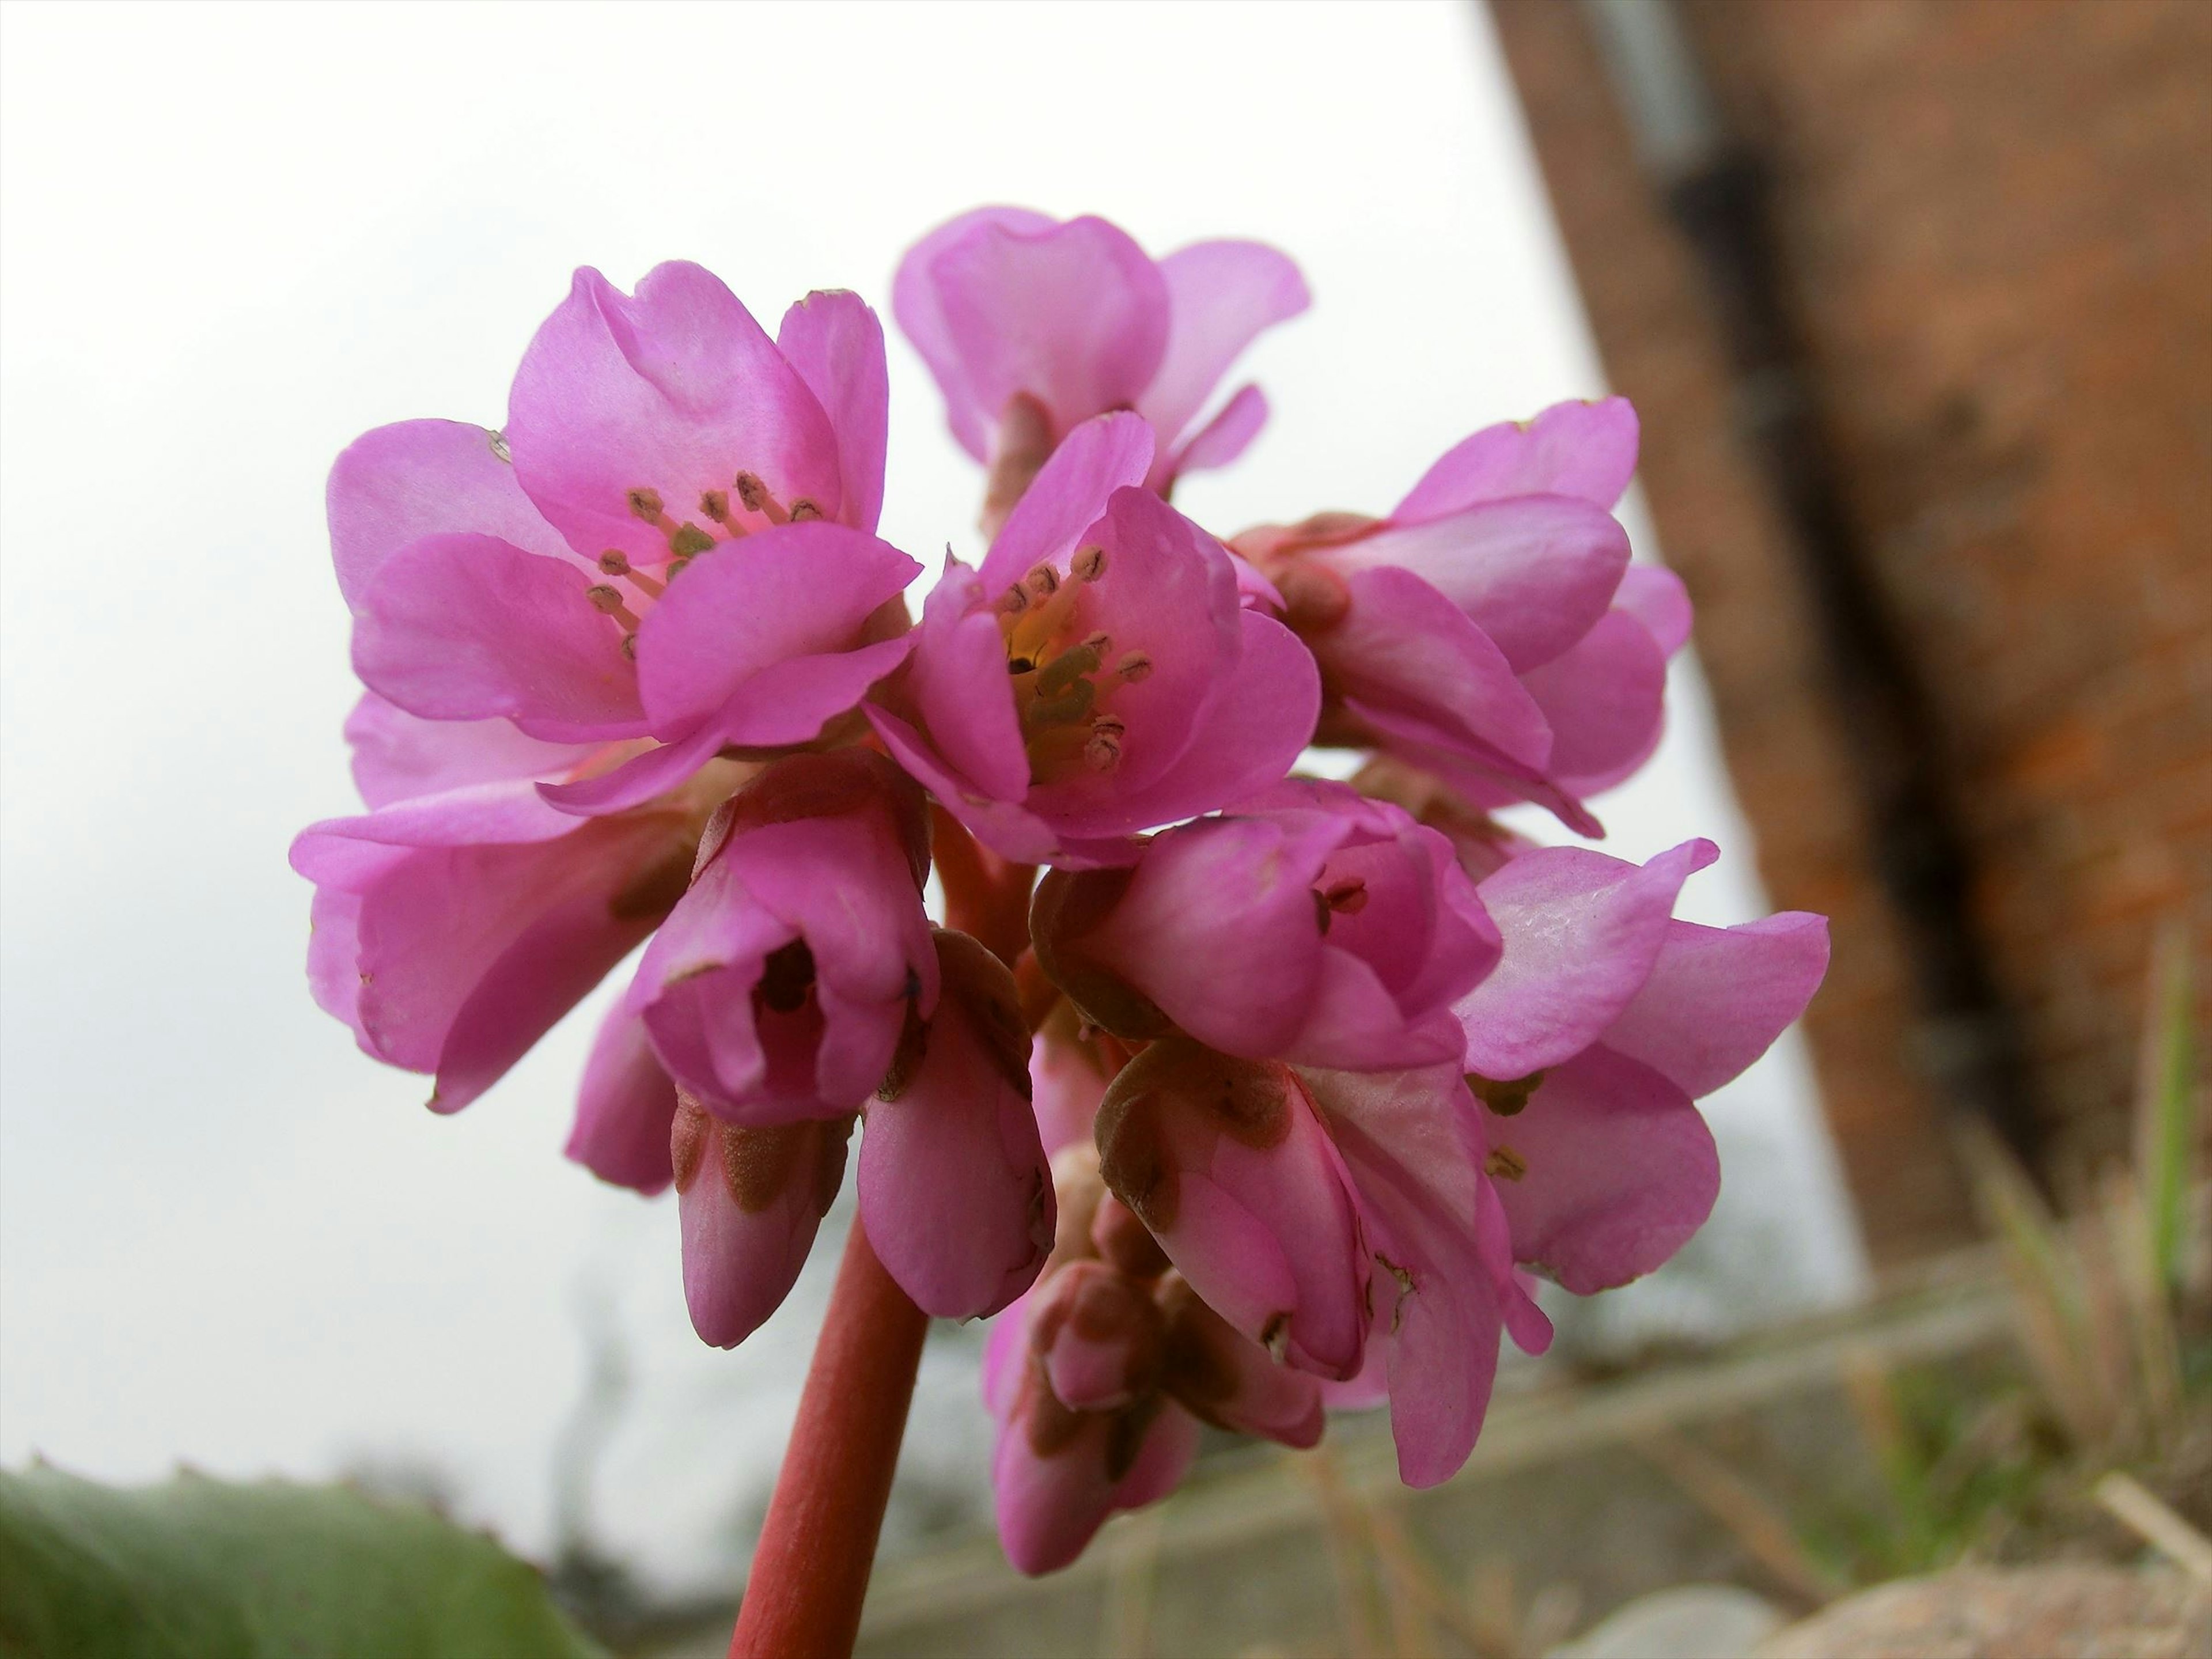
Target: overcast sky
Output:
{"points": [[235, 238]]}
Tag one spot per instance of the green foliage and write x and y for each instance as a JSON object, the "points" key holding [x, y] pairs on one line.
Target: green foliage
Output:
{"points": [[202, 1569], [2165, 1112]]}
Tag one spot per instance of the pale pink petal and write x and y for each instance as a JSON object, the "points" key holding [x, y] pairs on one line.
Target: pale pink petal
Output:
{"points": [[1221, 296], [953, 1185], [1581, 449], [751, 1202], [401, 482], [917, 301], [1604, 698], [468, 628], [1535, 573], [1067, 498], [1007, 828], [958, 684], [625, 1109], [1717, 997], [674, 389], [836, 345], [1605, 1173], [1219, 441], [398, 755], [1655, 596], [1582, 933]]}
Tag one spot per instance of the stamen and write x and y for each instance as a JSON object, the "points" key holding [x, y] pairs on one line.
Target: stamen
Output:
{"points": [[608, 602], [647, 504], [689, 541], [1103, 751], [1133, 666], [755, 495], [1100, 642], [1505, 1164], [803, 509], [1065, 670], [676, 567], [1042, 619], [1347, 897], [1013, 601], [629, 647], [615, 562], [1088, 563], [715, 504]]}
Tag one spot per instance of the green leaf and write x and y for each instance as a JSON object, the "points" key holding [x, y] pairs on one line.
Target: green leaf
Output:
{"points": [[202, 1568]]}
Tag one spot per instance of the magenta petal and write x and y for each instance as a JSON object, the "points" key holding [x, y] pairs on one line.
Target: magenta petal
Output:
{"points": [[468, 628], [1655, 596], [1617, 1170], [1067, 498], [1007, 828], [836, 345], [398, 755], [751, 1202], [638, 780], [1535, 573], [1408, 1140], [1221, 296], [673, 389], [917, 301], [799, 590], [953, 1184], [958, 683], [625, 1109], [1075, 315], [1604, 698], [1717, 997], [1581, 449], [399, 483], [1227, 1379], [1219, 442], [1582, 933], [1413, 664], [1051, 1502]]}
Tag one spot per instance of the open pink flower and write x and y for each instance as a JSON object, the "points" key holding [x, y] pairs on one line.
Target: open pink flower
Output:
{"points": [[527, 576], [457, 922], [1307, 923], [1491, 628], [1100, 1376], [1604, 1022], [1075, 319], [1098, 675]]}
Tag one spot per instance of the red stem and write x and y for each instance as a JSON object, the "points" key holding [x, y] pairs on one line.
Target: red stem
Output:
{"points": [[810, 1571]]}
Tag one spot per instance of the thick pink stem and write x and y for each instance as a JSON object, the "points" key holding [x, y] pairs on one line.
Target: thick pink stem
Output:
{"points": [[811, 1572]]}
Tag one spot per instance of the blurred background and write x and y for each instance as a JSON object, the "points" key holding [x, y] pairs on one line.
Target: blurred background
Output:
{"points": [[1914, 300]]}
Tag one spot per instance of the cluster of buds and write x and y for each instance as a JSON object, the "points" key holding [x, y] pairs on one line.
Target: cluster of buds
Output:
{"points": [[1237, 1095]]}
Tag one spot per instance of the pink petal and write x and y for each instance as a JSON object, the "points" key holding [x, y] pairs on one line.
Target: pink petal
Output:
{"points": [[1582, 933], [1717, 997], [398, 755], [958, 683], [1581, 449], [1076, 315], [1219, 441], [917, 301], [836, 345], [751, 1202], [1098, 1335], [953, 1184], [468, 628], [1655, 596], [674, 389], [1067, 498], [1225, 1162], [1007, 828], [1409, 661], [1221, 296], [626, 1108], [1233, 1382], [1056, 1484], [1616, 1170], [1604, 699], [1535, 573], [399, 483]]}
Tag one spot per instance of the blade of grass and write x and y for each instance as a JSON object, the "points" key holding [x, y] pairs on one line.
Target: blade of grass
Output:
{"points": [[2166, 1107], [2158, 1526], [1758, 1526]]}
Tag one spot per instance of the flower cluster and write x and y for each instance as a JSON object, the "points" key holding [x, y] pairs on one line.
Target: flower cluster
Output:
{"points": [[1236, 1094]]}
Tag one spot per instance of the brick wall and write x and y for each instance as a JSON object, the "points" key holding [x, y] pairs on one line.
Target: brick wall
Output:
{"points": [[1996, 218]]}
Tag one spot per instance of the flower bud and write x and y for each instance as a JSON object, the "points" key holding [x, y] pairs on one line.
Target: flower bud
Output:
{"points": [[1099, 1335]]}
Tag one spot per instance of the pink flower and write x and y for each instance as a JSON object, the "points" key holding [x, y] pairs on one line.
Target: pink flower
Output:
{"points": [[463, 916], [1306, 923], [1098, 675], [1100, 1376], [1605, 1020], [525, 576], [1074, 319], [1491, 628]]}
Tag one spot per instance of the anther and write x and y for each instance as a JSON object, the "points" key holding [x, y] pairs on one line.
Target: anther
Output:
{"points": [[1505, 1164], [1013, 601], [615, 562], [715, 504], [689, 541], [803, 509], [1133, 665], [608, 602], [1347, 897], [755, 495], [1103, 753], [629, 647], [676, 567], [1043, 581], [647, 504], [1088, 563], [1101, 643]]}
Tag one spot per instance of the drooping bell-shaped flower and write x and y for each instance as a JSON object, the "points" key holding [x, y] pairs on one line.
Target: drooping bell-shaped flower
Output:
{"points": [[1491, 628], [1098, 675], [1307, 923], [780, 985], [1604, 1022], [1032, 326]]}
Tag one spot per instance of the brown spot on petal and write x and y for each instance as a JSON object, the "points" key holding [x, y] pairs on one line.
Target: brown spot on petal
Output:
{"points": [[1125, 1436], [757, 1163], [1051, 1427], [687, 1141], [1066, 908], [1121, 1238]]}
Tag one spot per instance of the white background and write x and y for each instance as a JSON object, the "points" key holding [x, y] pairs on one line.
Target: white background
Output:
{"points": [[234, 239]]}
